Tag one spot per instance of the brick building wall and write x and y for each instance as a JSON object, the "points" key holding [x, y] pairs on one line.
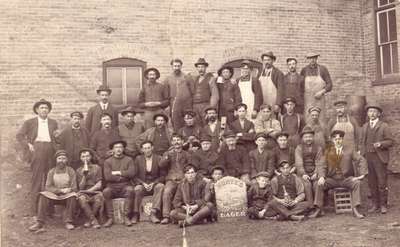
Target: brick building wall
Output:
{"points": [[55, 49]]}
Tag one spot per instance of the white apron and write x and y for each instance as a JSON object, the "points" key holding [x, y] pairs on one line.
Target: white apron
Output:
{"points": [[268, 89], [247, 96], [348, 129], [312, 85]]}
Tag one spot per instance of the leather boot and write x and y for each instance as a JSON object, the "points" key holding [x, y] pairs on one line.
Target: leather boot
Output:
{"points": [[357, 214], [127, 210]]}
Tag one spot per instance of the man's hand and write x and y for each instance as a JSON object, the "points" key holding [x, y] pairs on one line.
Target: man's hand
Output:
{"points": [[321, 181], [193, 208], [152, 104], [306, 177], [358, 178], [314, 177], [116, 173], [261, 213], [254, 114], [282, 201], [206, 179], [150, 186], [239, 134], [31, 148], [319, 94], [377, 145], [66, 190]]}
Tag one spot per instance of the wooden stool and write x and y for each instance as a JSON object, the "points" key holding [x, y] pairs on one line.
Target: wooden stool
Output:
{"points": [[145, 208], [343, 202], [118, 208]]}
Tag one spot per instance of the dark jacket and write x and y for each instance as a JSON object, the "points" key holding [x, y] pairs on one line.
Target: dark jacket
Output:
{"points": [[71, 143], [257, 197], [236, 162], [29, 131], [264, 162], [292, 86], [124, 164], [156, 175], [94, 115], [204, 161], [248, 132], [198, 195], [229, 96]]}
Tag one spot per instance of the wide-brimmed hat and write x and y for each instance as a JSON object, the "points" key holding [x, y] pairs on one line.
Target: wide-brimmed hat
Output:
{"points": [[127, 110], [111, 146], [269, 54], [76, 113], [224, 68], [312, 54], [201, 61], [160, 115], [337, 132], [41, 102], [152, 69], [104, 88], [307, 130], [373, 105]]}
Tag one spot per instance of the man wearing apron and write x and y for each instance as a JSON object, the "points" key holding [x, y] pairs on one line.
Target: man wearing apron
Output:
{"points": [[346, 123], [250, 89], [317, 83], [270, 79]]}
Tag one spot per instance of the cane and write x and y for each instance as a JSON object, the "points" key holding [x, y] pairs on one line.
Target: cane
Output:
{"points": [[184, 242]]}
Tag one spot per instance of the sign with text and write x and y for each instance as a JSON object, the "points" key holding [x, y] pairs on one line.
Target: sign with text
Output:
{"points": [[231, 197]]}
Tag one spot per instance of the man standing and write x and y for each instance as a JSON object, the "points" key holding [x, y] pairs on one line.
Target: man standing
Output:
{"points": [[119, 169], [73, 139], [38, 134], [205, 90], [344, 122], [317, 83], [292, 86], [149, 181], [271, 78], [250, 90], [159, 135], [338, 171], [104, 106], [153, 97], [173, 161], [229, 93], [180, 90], [102, 138], [375, 141], [292, 122], [320, 136], [129, 131]]}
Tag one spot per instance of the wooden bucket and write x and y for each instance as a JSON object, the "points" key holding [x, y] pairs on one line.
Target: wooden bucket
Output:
{"points": [[356, 106]]}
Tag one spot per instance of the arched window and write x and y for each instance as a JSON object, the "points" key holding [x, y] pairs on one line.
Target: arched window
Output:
{"points": [[125, 77], [257, 66]]}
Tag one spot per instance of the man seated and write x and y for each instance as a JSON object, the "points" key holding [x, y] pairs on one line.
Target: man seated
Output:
{"points": [[205, 158], [189, 201], [149, 181], [262, 159], [284, 152], [338, 171], [234, 158], [119, 169], [217, 172], [258, 197], [60, 188], [191, 130], [243, 128], [288, 191], [89, 177]]}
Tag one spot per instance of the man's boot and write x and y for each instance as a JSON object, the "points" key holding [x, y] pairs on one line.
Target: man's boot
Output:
{"points": [[110, 213], [357, 214], [127, 210], [153, 217]]}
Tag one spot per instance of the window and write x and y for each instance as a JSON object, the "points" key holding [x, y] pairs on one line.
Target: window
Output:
{"points": [[125, 78], [387, 44]]}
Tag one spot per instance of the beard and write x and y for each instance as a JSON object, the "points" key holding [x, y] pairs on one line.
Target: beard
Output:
{"points": [[211, 119]]}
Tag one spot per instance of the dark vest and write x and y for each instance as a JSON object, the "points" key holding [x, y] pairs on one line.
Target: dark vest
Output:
{"points": [[309, 158], [290, 186], [202, 90], [369, 140]]}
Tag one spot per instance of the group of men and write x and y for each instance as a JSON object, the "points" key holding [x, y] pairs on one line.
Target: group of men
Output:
{"points": [[268, 130]]}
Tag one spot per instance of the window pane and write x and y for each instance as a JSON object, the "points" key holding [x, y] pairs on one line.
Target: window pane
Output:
{"points": [[383, 27], [132, 95], [116, 96], [133, 77], [386, 60], [395, 58], [391, 1], [114, 77], [382, 2], [392, 25]]}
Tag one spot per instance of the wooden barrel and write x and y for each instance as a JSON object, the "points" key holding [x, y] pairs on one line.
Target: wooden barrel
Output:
{"points": [[356, 105]]}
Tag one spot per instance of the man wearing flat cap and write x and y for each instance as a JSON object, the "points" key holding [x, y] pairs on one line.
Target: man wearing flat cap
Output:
{"points": [[262, 159], [320, 136], [339, 171], [191, 131], [375, 142], [292, 122], [250, 89], [119, 170], [37, 137], [129, 130], [73, 138], [259, 196], [205, 157], [292, 86], [159, 135], [180, 90], [104, 106], [283, 152], [153, 97], [205, 90], [317, 83], [344, 122], [270, 78], [229, 93]]}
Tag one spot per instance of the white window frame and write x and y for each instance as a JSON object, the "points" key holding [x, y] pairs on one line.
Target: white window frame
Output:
{"points": [[124, 82]]}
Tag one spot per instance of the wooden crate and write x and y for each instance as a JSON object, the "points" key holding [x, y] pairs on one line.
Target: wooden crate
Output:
{"points": [[343, 202], [118, 208]]}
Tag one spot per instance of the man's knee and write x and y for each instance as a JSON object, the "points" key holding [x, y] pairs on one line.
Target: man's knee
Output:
{"points": [[158, 186], [83, 200], [129, 191], [107, 193], [139, 189]]}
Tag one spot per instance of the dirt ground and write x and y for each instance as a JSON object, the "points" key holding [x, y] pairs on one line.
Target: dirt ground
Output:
{"points": [[331, 230]]}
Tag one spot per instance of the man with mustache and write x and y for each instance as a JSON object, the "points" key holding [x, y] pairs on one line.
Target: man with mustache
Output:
{"points": [[180, 90], [73, 138], [104, 106], [212, 128], [129, 130], [102, 138]]}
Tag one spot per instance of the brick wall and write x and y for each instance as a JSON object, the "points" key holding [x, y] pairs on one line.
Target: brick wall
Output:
{"points": [[55, 49]]}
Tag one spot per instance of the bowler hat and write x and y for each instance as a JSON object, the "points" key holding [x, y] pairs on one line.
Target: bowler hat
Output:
{"points": [[127, 110], [76, 113], [374, 105], [103, 88], [41, 102], [152, 69], [201, 61], [224, 68], [268, 54], [60, 152], [337, 132], [307, 130], [111, 146], [229, 134], [160, 115]]}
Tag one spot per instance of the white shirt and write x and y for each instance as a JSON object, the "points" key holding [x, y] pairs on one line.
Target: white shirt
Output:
{"points": [[372, 123], [212, 126], [43, 131], [339, 150], [103, 106], [149, 164]]}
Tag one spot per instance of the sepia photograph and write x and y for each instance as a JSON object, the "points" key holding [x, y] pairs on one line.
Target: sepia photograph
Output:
{"points": [[196, 123]]}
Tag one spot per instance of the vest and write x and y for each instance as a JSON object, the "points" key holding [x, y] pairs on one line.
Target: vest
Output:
{"points": [[369, 140], [202, 90], [290, 186], [309, 158]]}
